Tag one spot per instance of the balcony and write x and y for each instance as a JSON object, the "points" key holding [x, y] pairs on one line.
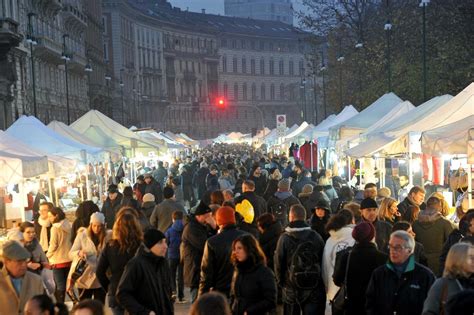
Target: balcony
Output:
{"points": [[77, 63], [9, 36], [50, 5], [151, 71], [73, 18], [48, 50]]}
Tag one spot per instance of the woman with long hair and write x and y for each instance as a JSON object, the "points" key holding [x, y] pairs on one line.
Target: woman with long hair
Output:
{"points": [[127, 237], [253, 289], [457, 276], [58, 250], [88, 244], [388, 210]]}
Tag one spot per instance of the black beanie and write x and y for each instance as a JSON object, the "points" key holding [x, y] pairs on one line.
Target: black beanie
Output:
{"points": [[368, 203], [151, 237]]}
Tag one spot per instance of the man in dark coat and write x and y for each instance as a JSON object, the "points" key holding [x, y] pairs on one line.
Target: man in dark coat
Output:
{"points": [[199, 180], [248, 192], [187, 185], [195, 234], [282, 199], [368, 209], [364, 259], [160, 173], [154, 188], [304, 180], [212, 179], [309, 301], [416, 197], [111, 205], [216, 266], [145, 285], [401, 285], [161, 218], [259, 180]]}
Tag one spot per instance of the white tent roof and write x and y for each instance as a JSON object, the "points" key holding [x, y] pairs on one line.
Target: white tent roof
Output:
{"points": [[348, 112], [159, 136], [365, 118], [56, 164], [296, 131], [14, 167], [110, 133], [34, 133], [454, 138], [392, 116]]}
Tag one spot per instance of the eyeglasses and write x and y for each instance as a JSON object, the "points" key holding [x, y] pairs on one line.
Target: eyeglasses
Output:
{"points": [[396, 248]]}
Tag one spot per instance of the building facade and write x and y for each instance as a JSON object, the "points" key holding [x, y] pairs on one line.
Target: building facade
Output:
{"points": [[269, 10]]}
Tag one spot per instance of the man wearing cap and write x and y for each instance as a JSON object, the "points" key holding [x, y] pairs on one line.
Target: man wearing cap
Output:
{"points": [[161, 218], [401, 285], [111, 205], [369, 212], [145, 286], [195, 234], [216, 267], [153, 187], [280, 203], [17, 285], [364, 259]]}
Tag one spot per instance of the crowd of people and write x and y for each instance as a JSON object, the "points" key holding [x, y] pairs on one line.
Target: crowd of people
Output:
{"points": [[246, 233]]}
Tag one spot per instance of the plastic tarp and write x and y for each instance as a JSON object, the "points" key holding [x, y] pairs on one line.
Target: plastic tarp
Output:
{"points": [[55, 165], [35, 134], [363, 120], [107, 132], [454, 138]]}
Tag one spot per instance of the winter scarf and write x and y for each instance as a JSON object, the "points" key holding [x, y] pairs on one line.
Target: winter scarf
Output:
{"points": [[43, 238]]}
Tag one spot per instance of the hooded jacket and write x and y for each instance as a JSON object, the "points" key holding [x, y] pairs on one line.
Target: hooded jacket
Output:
{"points": [[145, 285], [388, 294], [338, 241], [301, 232], [432, 230], [173, 237], [60, 243]]}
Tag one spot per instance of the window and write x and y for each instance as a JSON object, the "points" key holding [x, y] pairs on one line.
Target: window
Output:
{"points": [[272, 92], [234, 65], [262, 92], [262, 66], [223, 43], [224, 64], [272, 67], [244, 91], [252, 66], [244, 65], [281, 67], [282, 92], [301, 67], [236, 92], [225, 90]]}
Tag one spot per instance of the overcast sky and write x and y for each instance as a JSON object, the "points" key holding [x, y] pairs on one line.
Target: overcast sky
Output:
{"points": [[211, 6]]}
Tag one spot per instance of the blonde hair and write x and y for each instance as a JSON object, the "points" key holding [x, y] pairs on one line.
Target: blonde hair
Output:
{"points": [[456, 262], [384, 208], [444, 204]]}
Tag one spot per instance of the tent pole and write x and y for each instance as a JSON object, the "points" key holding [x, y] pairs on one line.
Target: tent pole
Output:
{"points": [[469, 185], [21, 189], [50, 189]]}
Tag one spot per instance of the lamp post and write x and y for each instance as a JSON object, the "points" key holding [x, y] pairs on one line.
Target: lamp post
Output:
{"points": [[340, 59], [323, 71], [424, 4], [121, 91], [88, 69], [388, 29], [65, 56], [303, 90], [30, 39], [359, 45], [108, 78]]}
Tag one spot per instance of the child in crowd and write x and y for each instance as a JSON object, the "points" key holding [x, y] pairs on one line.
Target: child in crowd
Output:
{"points": [[173, 236]]}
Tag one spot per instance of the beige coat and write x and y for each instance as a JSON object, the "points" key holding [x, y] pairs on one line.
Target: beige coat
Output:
{"points": [[59, 243], [10, 302]]}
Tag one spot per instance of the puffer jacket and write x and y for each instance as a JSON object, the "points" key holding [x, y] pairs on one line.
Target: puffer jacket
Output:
{"points": [[254, 290], [60, 243], [216, 268], [338, 241], [432, 230], [388, 294], [173, 237]]}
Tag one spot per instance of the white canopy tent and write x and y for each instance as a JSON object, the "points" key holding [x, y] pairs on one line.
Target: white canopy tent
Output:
{"points": [[14, 167], [35, 134]]}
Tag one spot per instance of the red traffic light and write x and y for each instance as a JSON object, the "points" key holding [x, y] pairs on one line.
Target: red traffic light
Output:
{"points": [[221, 103]]}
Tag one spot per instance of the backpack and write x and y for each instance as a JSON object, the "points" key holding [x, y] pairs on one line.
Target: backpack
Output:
{"points": [[280, 212], [304, 271]]}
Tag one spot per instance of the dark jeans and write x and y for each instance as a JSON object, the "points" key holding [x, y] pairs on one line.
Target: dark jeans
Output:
{"points": [[60, 278], [98, 294], [177, 267], [310, 308]]}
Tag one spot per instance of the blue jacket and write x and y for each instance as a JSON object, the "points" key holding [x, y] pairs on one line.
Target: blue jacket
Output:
{"points": [[173, 237]]}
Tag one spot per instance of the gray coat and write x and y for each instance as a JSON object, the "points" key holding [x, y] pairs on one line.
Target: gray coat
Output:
{"points": [[435, 295], [161, 218]]}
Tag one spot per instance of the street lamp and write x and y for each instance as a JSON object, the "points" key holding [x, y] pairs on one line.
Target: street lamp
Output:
{"points": [[66, 57], [303, 88], [340, 59], [108, 78], [424, 4], [323, 71], [88, 69], [30, 39], [121, 91], [358, 46]]}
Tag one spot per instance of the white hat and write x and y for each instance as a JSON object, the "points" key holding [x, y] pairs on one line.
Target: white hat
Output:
{"points": [[97, 217]]}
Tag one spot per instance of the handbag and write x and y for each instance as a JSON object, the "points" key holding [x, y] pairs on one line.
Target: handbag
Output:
{"points": [[458, 180], [75, 274], [339, 302]]}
